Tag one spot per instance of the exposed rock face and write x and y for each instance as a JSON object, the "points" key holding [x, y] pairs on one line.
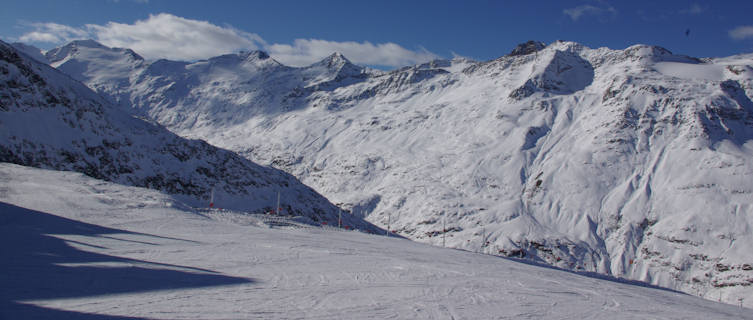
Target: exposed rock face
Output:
{"points": [[527, 48], [563, 73]]}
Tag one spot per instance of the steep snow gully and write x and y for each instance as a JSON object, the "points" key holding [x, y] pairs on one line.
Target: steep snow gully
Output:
{"points": [[634, 163]]}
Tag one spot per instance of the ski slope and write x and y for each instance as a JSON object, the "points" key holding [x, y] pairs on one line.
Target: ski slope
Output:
{"points": [[76, 247]]}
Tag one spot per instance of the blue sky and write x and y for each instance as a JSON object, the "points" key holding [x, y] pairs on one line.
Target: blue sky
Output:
{"points": [[379, 33]]}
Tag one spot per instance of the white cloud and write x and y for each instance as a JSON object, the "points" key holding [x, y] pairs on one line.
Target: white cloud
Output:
{"points": [[168, 36], [160, 36], [307, 51], [741, 32], [52, 33], [577, 12], [587, 9], [176, 38], [695, 9]]}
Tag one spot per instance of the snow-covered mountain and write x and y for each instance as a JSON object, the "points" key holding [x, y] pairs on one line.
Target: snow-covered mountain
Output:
{"points": [[31, 51], [635, 163], [48, 120]]}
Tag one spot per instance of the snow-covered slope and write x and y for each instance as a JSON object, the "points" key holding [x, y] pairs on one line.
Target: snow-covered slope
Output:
{"points": [[635, 163], [49, 120], [80, 248], [31, 51]]}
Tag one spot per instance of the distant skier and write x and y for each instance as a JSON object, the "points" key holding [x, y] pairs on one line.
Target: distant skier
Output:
{"points": [[687, 32]]}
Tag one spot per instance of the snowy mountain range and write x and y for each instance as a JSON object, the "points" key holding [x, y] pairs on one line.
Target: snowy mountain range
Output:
{"points": [[49, 120], [636, 163]]}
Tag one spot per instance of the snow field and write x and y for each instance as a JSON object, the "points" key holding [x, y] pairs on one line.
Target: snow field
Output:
{"points": [[96, 249]]}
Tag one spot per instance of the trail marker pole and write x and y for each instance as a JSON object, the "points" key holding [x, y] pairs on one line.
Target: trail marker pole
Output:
{"points": [[444, 228], [211, 198], [277, 208], [388, 224], [483, 239], [339, 218]]}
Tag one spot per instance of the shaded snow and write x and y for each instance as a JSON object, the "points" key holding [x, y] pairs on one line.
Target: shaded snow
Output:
{"points": [[691, 71], [31, 51]]}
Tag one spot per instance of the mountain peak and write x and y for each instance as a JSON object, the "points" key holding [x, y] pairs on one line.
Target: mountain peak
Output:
{"points": [[91, 47], [253, 55], [527, 48], [650, 53], [337, 56], [337, 64], [255, 58], [335, 60], [60, 53], [88, 43]]}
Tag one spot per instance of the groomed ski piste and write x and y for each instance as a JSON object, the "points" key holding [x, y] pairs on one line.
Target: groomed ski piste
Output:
{"points": [[80, 248]]}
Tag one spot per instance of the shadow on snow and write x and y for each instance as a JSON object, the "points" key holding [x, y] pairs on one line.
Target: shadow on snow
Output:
{"points": [[34, 265]]}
